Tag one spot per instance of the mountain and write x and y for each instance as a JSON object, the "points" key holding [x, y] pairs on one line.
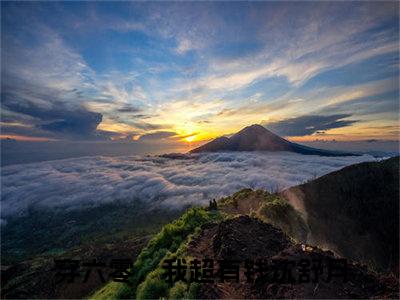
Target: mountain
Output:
{"points": [[212, 234], [354, 211], [258, 138], [350, 214]]}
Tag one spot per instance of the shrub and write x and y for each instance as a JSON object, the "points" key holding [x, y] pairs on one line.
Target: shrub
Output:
{"points": [[244, 193], [193, 291], [178, 291], [168, 240], [280, 213], [153, 287]]}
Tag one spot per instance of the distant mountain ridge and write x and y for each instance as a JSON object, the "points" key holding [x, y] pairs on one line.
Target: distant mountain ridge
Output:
{"points": [[258, 138]]}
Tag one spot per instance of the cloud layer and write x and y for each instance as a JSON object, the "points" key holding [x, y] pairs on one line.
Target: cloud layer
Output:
{"points": [[93, 181]]}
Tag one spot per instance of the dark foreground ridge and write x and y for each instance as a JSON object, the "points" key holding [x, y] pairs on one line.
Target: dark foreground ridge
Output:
{"points": [[258, 138], [355, 212], [247, 238]]}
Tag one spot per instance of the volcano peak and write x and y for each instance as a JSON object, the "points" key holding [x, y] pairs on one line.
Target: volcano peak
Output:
{"points": [[258, 138]]}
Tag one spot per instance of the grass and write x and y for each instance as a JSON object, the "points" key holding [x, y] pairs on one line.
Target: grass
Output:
{"points": [[273, 209], [146, 281], [280, 213], [240, 195]]}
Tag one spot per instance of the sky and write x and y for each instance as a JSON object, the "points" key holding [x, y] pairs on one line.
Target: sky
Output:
{"points": [[186, 72]]}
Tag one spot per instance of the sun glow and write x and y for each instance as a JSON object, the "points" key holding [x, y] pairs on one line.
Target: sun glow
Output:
{"points": [[190, 138]]}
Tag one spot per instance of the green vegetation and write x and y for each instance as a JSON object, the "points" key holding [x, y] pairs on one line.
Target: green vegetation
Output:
{"points": [[178, 291], [147, 281], [153, 287], [280, 213], [29, 235], [241, 195], [172, 240], [268, 207]]}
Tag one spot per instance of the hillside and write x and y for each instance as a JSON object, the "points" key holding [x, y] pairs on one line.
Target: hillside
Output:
{"points": [[114, 231], [354, 211], [253, 225], [258, 138], [256, 224], [215, 235], [225, 241]]}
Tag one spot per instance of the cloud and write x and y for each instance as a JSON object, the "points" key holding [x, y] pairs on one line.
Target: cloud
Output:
{"points": [[79, 122], [128, 109], [144, 57], [172, 20], [42, 87], [49, 87], [47, 62], [72, 184], [372, 88], [147, 126], [184, 46], [157, 135], [42, 114], [305, 49], [306, 125], [44, 107]]}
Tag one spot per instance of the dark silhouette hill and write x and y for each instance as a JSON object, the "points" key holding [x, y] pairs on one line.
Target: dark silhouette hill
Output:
{"points": [[355, 212], [258, 138], [245, 238]]}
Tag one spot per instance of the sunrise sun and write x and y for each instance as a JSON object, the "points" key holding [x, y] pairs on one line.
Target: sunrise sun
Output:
{"points": [[190, 138]]}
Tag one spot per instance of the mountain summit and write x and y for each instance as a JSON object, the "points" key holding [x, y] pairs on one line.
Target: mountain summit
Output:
{"points": [[258, 138]]}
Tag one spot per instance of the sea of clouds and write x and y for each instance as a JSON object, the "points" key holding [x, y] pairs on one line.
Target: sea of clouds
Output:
{"points": [[92, 181]]}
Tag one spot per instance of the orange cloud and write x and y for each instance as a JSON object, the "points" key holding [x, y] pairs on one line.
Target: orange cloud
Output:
{"points": [[25, 138]]}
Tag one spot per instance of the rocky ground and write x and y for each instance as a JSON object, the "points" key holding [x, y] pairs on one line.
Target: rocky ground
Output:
{"points": [[245, 238]]}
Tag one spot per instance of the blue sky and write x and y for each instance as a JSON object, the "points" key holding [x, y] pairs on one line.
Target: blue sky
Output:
{"points": [[189, 72]]}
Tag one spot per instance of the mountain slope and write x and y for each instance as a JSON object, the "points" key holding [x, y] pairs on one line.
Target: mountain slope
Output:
{"points": [[354, 211], [258, 138], [245, 238], [241, 238]]}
